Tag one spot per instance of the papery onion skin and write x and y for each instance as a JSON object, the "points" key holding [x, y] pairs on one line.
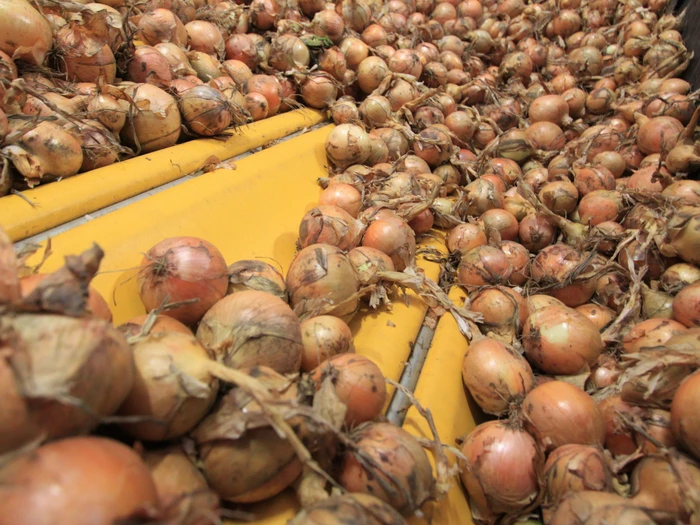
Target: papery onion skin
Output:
{"points": [[25, 33], [180, 269], [156, 123], [256, 275], [183, 491], [253, 328], [502, 469], [76, 481], [406, 462], [559, 413], [574, 468], [89, 361], [236, 437]]}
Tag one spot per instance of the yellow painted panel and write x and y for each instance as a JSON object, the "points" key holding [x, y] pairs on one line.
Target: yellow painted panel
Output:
{"points": [[440, 389], [63, 201]]}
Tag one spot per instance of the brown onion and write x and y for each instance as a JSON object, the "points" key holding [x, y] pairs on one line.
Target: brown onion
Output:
{"points": [[496, 375], [484, 265], [558, 413]]}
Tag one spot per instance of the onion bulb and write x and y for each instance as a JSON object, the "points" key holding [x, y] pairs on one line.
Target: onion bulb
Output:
{"points": [[183, 269], [77, 481], [558, 413], [405, 472], [496, 375], [501, 469]]}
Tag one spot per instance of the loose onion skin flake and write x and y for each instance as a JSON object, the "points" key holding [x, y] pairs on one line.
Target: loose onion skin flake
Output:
{"points": [[76, 481], [182, 269], [502, 470], [359, 384], [404, 467], [253, 328]]}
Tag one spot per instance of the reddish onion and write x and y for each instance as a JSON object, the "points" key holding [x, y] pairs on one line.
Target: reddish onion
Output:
{"points": [[180, 269], [501, 469]]}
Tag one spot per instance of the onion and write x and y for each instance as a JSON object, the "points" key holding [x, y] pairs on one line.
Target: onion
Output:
{"points": [[465, 237], [535, 232], [484, 265], [257, 106], [256, 275], [171, 388], [95, 303], [45, 151], [504, 311], [236, 437], [495, 374], [405, 474], [658, 134], [183, 492], [205, 111], [686, 305], [599, 206], [649, 333], [684, 419], [90, 362], [347, 144], [561, 341], [205, 37], [180, 269], [599, 315], [574, 468], [241, 47], [267, 86], [393, 237], [663, 483], [321, 280], [685, 242], [328, 224], [154, 122], [82, 56], [26, 35], [323, 337], [549, 108], [253, 328], [319, 90], [558, 413], [598, 508], [561, 197], [161, 25], [546, 136], [328, 23], [358, 383], [556, 264], [501, 470], [77, 481]]}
